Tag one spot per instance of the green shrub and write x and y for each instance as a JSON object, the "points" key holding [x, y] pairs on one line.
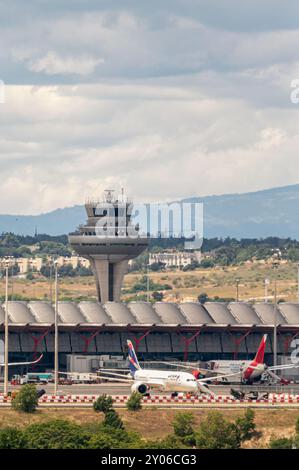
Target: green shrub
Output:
{"points": [[103, 404], [113, 420], [169, 442], [26, 399], [282, 443], [246, 425], [183, 424], [12, 438], [56, 434], [135, 402], [203, 298], [101, 441], [183, 427], [215, 432], [112, 438]]}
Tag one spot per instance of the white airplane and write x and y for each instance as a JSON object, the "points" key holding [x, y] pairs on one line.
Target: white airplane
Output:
{"points": [[164, 380], [143, 380]]}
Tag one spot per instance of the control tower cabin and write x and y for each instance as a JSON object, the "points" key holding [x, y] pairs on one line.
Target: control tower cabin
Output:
{"points": [[106, 243]]}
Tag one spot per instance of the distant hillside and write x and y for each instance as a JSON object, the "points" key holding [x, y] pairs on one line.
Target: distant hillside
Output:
{"points": [[58, 222], [261, 214], [272, 212]]}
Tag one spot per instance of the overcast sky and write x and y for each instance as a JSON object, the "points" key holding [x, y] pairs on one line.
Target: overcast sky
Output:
{"points": [[168, 98]]}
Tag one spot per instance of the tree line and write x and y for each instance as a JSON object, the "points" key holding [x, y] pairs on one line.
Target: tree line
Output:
{"points": [[222, 251], [213, 432]]}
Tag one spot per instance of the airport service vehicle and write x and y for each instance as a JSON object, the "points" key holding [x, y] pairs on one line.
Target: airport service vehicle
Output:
{"points": [[243, 371], [81, 378], [69, 378], [253, 395], [143, 380], [32, 377]]}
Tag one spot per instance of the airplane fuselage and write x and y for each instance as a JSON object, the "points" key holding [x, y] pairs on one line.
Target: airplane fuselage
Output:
{"points": [[246, 371], [167, 380]]}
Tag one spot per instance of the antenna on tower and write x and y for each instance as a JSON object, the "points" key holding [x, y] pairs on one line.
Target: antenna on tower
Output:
{"points": [[109, 195]]}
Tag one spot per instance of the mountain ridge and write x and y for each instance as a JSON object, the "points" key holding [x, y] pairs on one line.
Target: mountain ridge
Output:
{"points": [[256, 214]]}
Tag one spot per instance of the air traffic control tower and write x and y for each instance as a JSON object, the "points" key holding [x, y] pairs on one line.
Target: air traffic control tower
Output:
{"points": [[106, 243]]}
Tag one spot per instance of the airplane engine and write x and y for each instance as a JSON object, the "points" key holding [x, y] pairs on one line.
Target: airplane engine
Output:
{"points": [[140, 388]]}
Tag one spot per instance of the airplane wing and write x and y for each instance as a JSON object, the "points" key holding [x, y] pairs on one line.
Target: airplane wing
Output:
{"points": [[22, 363], [211, 379], [282, 367], [183, 365], [190, 367], [115, 374], [111, 379]]}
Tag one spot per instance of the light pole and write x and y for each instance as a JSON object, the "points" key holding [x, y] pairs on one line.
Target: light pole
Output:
{"points": [[147, 284], [7, 264], [275, 265], [12, 274], [267, 282], [51, 281], [56, 330], [298, 281], [237, 286]]}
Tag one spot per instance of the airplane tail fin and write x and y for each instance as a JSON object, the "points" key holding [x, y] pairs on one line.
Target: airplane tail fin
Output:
{"points": [[259, 358], [133, 361]]}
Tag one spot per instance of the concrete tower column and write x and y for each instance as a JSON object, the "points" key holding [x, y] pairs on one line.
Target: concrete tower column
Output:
{"points": [[109, 277], [120, 269], [101, 272]]}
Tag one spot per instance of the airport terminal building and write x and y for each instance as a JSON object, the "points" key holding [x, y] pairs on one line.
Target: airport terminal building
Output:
{"points": [[186, 331], [159, 331]]}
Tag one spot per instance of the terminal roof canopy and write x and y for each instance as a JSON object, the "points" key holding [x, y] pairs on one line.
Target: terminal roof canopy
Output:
{"points": [[244, 313], [169, 313], [196, 313], [144, 313], [211, 314], [266, 313], [220, 313]]}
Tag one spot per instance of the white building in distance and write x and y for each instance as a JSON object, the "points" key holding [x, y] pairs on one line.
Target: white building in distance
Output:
{"points": [[36, 263], [175, 259]]}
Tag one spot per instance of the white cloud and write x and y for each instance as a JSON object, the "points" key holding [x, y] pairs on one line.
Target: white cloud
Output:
{"points": [[53, 64], [170, 102], [160, 143], [271, 138]]}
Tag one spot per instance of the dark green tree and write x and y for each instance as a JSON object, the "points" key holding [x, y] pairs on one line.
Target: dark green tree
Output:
{"points": [[113, 438], [157, 266], [56, 434], [215, 432], [12, 438], [183, 427], [203, 298], [246, 425], [135, 402], [103, 403], [157, 296], [113, 420], [26, 399]]}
